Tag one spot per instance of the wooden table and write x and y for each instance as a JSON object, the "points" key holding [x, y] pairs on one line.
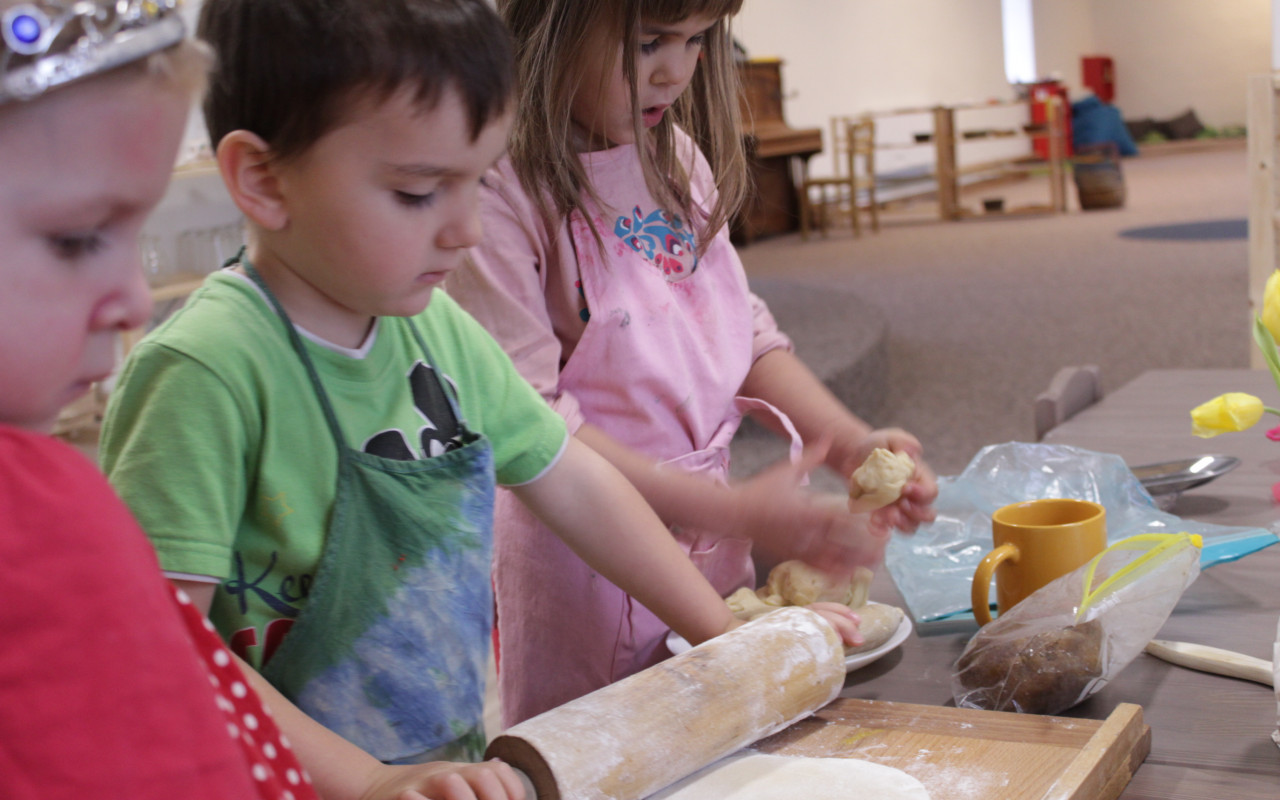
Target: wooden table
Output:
{"points": [[1210, 734]]}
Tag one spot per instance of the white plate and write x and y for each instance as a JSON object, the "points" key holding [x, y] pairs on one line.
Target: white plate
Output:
{"points": [[676, 644]]}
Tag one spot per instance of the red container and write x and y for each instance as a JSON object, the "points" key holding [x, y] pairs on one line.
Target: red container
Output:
{"points": [[1099, 74], [1041, 94]]}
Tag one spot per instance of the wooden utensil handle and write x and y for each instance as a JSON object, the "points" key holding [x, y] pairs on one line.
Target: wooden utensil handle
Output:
{"points": [[1212, 659]]}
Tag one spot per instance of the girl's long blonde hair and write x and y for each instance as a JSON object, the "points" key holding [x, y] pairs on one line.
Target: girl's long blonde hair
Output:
{"points": [[553, 37]]}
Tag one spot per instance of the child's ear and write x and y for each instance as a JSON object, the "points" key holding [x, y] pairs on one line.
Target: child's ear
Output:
{"points": [[249, 173]]}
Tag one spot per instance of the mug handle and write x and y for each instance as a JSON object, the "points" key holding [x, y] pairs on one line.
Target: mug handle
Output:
{"points": [[980, 594]]}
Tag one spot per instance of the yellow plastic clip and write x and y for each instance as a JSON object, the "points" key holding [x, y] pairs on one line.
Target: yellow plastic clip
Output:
{"points": [[1160, 546]]}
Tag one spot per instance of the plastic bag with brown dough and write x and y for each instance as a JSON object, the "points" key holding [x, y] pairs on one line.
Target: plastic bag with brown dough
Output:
{"points": [[879, 481]]}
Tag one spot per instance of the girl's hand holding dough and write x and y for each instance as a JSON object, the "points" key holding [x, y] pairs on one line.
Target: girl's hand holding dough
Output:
{"points": [[914, 505], [880, 479]]}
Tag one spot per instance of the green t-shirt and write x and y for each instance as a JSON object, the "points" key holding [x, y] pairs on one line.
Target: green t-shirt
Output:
{"points": [[215, 438]]}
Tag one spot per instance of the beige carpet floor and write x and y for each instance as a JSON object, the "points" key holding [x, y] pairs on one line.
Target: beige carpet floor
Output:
{"points": [[982, 312]]}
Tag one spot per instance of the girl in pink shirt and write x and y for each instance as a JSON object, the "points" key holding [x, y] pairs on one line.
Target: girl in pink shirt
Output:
{"points": [[607, 274]]}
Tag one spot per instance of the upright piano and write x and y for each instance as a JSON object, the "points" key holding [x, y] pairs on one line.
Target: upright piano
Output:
{"points": [[772, 205]]}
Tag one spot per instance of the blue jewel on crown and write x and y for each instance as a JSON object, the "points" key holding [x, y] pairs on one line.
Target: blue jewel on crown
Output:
{"points": [[24, 27], [48, 43]]}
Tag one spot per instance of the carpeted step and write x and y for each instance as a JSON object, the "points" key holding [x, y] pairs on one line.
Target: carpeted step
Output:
{"points": [[841, 337]]}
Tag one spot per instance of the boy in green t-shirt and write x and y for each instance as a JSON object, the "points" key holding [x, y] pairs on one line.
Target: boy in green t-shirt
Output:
{"points": [[312, 443]]}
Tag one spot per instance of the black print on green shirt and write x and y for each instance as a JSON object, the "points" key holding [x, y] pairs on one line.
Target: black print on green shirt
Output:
{"points": [[281, 599], [439, 435]]}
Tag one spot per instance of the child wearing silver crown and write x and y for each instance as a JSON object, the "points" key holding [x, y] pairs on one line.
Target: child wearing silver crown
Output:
{"points": [[112, 684]]}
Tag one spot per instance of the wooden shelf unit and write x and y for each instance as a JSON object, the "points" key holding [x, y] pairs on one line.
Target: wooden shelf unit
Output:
{"points": [[945, 138]]}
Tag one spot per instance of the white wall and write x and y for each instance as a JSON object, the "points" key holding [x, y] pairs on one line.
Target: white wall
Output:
{"points": [[1170, 55], [844, 57], [1064, 32], [1192, 54]]}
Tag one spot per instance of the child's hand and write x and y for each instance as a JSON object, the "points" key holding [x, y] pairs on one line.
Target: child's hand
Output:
{"points": [[916, 503], [446, 780], [844, 619], [786, 521]]}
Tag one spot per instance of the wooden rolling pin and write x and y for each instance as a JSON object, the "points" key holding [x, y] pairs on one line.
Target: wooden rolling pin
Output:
{"points": [[643, 733]]}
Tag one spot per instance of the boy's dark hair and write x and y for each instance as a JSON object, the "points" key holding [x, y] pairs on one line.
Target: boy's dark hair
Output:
{"points": [[288, 70]]}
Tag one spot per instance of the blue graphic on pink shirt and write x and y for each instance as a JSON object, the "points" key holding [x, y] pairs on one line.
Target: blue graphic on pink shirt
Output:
{"points": [[662, 239]]}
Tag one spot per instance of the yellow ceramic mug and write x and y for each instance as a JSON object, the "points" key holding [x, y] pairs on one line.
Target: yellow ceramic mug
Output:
{"points": [[1035, 542]]}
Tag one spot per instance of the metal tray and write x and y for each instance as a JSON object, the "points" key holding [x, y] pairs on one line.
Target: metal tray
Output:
{"points": [[1172, 477]]}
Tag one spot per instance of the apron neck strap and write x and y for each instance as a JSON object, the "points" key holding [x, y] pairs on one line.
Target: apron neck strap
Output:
{"points": [[335, 429]]}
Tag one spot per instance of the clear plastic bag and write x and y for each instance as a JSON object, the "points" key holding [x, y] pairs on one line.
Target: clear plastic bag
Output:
{"points": [[1071, 637], [933, 568]]}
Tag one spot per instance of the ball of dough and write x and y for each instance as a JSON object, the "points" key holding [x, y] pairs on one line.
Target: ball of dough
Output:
{"points": [[747, 605], [879, 481], [795, 583]]}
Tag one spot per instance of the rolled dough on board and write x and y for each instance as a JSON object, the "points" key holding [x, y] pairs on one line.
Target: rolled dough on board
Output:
{"points": [[757, 776]]}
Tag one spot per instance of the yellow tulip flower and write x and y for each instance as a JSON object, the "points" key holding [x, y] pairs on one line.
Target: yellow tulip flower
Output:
{"points": [[1271, 305], [1234, 411]]}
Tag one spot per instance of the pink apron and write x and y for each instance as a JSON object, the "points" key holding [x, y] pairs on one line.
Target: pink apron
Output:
{"points": [[658, 367]]}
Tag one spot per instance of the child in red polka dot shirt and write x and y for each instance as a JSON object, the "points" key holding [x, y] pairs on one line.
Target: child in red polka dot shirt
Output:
{"points": [[112, 683]]}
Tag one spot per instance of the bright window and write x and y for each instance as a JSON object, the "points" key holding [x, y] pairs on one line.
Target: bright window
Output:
{"points": [[1019, 41]]}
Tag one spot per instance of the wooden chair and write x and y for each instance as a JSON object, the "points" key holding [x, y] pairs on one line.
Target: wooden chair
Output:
{"points": [[821, 199], [1071, 391]]}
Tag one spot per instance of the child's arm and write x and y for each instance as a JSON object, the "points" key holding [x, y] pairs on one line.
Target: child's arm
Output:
{"points": [[783, 380], [593, 508], [772, 509], [341, 771], [606, 522]]}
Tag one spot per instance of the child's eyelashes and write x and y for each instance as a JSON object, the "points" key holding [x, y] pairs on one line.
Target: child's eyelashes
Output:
{"points": [[650, 46], [74, 246], [415, 200], [428, 199]]}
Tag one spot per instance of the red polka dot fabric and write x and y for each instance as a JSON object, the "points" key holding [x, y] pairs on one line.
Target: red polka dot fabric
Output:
{"points": [[272, 763]]}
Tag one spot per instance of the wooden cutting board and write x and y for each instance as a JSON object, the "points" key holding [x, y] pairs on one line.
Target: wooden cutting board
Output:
{"points": [[965, 754]]}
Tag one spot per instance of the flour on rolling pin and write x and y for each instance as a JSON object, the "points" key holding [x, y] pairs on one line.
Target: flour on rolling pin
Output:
{"points": [[645, 732]]}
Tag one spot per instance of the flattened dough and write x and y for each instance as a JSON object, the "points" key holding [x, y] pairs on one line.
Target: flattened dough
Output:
{"points": [[879, 622], [756, 776], [879, 481]]}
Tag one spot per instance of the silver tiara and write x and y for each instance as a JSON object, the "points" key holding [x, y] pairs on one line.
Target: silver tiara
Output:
{"points": [[48, 43]]}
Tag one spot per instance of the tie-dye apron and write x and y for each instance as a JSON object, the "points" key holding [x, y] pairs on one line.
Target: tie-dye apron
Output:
{"points": [[390, 650]]}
